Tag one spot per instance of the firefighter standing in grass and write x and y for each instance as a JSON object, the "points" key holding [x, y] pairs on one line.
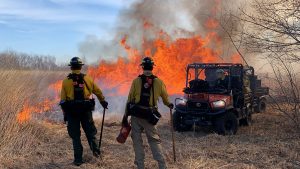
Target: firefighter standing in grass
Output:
{"points": [[141, 94], [77, 107]]}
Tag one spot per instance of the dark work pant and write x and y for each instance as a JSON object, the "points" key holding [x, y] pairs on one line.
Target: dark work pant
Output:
{"points": [[88, 125]]}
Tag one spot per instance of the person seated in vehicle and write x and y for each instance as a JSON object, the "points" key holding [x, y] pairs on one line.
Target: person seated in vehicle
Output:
{"points": [[222, 79], [246, 86], [210, 76]]}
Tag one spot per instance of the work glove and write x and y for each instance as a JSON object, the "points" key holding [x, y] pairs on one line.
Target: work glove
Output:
{"points": [[171, 106], [104, 104]]}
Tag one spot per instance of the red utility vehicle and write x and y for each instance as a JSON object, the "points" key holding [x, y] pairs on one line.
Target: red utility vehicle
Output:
{"points": [[206, 103]]}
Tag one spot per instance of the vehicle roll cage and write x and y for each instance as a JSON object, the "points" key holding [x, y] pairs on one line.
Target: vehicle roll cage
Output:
{"points": [[228, 66]]}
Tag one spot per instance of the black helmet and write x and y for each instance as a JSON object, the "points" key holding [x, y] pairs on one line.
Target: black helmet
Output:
{"points": [[76, 61], [147, 63]]}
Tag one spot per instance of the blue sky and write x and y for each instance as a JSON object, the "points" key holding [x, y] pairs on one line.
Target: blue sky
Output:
{"points": [[55, 27]]}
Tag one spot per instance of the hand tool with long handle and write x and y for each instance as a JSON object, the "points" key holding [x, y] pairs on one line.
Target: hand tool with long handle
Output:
{"points": [[100, 140], [173, 139]]}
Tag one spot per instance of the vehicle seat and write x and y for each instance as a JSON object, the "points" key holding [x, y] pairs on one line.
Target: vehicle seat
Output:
{"points": [[198, 85]]}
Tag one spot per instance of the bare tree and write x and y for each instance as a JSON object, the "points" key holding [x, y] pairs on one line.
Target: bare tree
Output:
{"points": [[14, 60], [273, 29]]}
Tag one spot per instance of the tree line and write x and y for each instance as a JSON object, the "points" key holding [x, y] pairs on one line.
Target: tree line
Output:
{"points": [[23, 61]]}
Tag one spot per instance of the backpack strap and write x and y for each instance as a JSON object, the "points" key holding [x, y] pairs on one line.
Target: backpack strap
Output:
{"points": [[78, 84], [152, 77], [86, 85], [71, 76]]}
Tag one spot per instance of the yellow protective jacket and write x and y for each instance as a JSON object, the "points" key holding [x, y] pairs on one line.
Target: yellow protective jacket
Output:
{"points": [[67, 90], [159, 91]]}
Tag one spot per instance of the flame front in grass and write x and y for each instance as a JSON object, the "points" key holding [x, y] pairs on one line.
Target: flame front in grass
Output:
{"points": [[25, 114], [45, 105]]}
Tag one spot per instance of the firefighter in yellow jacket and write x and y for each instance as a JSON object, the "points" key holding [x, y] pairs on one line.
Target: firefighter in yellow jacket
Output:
{"points": [[143, 96], [77, 106]]}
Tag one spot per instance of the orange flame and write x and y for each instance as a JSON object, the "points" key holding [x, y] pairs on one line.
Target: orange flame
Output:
{"points": [[170, 57], [211, 23], [56, 87], [44, 106], [24, 115]]}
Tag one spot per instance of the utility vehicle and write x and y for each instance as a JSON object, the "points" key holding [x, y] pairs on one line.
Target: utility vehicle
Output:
{"points": [[223, 107]]}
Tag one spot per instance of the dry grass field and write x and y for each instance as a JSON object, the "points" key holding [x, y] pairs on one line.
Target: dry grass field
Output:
{"points": [[269, 143], [18, 88]]}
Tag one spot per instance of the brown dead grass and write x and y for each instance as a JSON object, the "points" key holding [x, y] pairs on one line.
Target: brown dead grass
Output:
{"points": [[17, 87], [268, 143]]}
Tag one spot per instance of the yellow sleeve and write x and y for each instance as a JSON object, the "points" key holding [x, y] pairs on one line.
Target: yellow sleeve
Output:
{"points": [[97, 91], [63, 92], [164, 94], [130, 96], [131, 93], [93, 88]]}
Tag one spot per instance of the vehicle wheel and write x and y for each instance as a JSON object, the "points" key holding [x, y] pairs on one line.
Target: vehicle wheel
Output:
{"points": [[178, 124], [261, 107], [226, 124]]}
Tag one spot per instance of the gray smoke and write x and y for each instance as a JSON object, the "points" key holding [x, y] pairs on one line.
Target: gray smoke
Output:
{"points": [[178, 18], [95, 49]]}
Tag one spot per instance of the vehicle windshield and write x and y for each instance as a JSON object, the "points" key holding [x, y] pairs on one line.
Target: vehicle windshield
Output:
{"points": [[209, 80]]}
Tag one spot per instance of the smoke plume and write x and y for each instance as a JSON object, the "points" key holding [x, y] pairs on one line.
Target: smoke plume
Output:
{"points": [[178, 18], [138, 28]]}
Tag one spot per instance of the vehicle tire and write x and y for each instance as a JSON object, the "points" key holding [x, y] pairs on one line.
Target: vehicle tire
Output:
{"points": [[178, 123], [261, 107], [226, 124]]}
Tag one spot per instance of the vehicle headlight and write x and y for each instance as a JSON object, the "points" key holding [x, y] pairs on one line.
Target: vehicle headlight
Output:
{"points": [[181, 102], [218, 104]]}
